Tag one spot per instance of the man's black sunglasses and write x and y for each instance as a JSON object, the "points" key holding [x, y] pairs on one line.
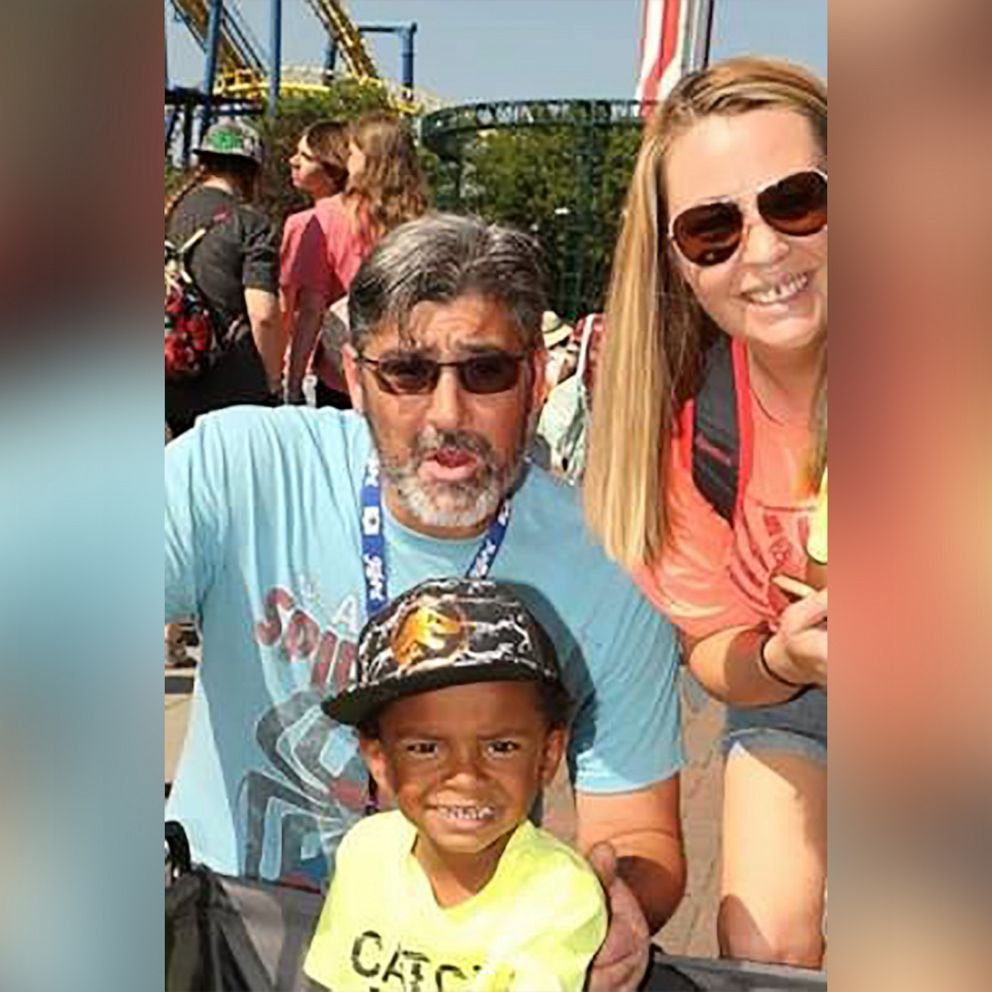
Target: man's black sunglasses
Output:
{"points": [[415, 375]]}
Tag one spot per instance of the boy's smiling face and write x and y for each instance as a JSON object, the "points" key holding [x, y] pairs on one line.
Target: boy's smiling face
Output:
{"points": [[465, 764]]}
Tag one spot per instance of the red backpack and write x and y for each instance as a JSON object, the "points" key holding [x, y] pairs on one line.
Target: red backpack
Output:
{"points": [[191, 339]]}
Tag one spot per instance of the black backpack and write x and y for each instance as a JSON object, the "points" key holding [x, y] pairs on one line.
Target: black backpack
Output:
{"points": [[717, 423], [192, 340]]}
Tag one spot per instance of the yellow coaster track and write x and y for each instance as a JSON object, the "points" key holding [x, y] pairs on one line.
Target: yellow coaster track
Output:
{"points": [[237, 51], [339, 26], [241, 70], [248, 84]]}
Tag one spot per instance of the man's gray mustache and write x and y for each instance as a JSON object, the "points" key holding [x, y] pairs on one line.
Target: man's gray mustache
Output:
{"points": [[458, 441]]}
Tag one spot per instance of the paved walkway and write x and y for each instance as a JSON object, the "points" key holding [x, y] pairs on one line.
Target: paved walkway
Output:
{"points": [[692, 929]]}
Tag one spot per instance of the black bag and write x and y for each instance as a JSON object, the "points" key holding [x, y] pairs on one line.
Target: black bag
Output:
{"points": [[228, 934], [192, 339], [673, 973]]}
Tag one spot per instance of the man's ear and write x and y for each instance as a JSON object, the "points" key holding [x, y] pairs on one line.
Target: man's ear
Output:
{"points": [[350, 365], [539, 374], [554, 750]]}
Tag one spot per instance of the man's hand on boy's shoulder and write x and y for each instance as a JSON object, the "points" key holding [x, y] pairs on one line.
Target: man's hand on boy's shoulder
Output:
{"points": [[621, 962]]}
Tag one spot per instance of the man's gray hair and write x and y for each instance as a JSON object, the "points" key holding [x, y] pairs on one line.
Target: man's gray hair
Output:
{"points": [[440, 258]]}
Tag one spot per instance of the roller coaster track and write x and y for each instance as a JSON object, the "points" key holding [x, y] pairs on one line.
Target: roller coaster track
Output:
{"points": [[238, 48], [243, 72], [246, 84], [340, 27], [240, 51]]}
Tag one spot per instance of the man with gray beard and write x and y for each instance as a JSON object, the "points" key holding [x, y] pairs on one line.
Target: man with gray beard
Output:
{"points": [[286, 528]]}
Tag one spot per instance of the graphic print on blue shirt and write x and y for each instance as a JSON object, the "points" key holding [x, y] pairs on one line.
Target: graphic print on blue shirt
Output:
{"points": [[293, 818]]}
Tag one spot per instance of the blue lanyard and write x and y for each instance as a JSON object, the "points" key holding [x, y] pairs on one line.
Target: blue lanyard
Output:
{"points": [[374, 543]]}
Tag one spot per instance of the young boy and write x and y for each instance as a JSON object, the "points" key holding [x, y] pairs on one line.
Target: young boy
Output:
{"points": [[461, 714]]}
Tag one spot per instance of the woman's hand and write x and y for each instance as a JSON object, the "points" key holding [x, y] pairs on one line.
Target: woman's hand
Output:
{"points": [[797, 651]]}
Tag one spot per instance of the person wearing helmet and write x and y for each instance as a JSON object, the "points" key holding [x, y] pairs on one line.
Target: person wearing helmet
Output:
{"points": [[236, 267]]}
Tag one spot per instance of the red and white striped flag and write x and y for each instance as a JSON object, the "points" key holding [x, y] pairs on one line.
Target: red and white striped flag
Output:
{"points": [[675, 37]]}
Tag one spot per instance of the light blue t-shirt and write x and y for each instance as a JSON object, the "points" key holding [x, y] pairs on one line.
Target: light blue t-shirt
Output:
{"points": [[263, 545]]}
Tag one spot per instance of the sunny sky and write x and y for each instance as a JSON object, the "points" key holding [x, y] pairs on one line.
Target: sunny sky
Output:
{"points": [[472, 50]]}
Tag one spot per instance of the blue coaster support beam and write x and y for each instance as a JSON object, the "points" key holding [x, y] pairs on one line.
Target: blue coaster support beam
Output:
{"points": [[170, 126], [406, 33], [275, 54], [406, 37], [330, 55], [187, 135], [213, 52]]}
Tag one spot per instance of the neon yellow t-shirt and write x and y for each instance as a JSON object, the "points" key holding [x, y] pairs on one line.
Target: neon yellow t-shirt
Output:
{"points": [[533, 928], [816, 545]]}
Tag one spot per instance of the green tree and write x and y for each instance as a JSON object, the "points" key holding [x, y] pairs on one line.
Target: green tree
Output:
{"points": [[563, 179]]}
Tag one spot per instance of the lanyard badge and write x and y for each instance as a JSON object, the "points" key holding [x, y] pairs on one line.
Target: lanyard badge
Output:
{"points": [[374, 542]]}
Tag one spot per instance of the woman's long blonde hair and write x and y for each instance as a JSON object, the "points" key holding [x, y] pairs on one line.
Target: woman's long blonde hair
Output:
{"points": [[656, 332], [390, 189]]}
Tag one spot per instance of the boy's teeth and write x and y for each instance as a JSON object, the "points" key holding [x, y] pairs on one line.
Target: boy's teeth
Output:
{"points": [[467, 812], [783, 291]]}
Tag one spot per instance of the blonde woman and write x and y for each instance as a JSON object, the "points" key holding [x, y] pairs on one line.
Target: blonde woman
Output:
{"points": [[385, 188], [720, 278]]}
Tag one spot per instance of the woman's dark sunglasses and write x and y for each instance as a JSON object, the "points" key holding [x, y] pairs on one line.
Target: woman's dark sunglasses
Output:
{"points": [[712, 232], [415, 375]]}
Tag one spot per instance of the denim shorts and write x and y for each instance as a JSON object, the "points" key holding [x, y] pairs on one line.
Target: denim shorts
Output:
{"points": [[799, 726]]}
